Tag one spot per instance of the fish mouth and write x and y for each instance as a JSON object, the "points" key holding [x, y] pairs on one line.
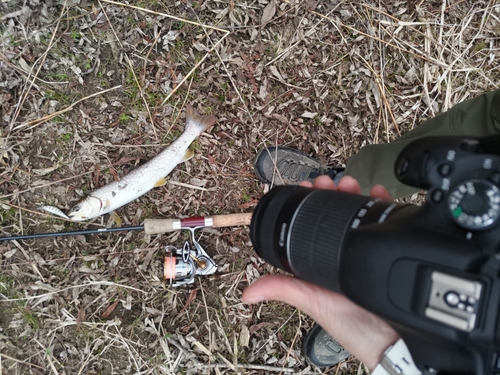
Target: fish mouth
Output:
{"points": [[76, 217]]}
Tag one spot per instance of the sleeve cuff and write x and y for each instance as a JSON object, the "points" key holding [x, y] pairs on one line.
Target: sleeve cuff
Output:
{"points": [[396, 361]]}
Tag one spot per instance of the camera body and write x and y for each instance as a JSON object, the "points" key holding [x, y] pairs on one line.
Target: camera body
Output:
{"points": [[431, 271]]}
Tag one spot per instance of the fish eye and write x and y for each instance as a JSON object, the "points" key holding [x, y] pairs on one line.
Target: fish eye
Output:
{"points": [[76, 208]]}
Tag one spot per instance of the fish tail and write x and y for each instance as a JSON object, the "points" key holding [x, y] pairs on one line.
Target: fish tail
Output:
{"points": [[199, 122]]}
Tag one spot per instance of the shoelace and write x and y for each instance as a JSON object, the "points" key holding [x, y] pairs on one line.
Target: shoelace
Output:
{"points": [[296, 171]]}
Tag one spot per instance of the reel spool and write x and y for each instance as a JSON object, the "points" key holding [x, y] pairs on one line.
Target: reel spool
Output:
{"points": [[180, 266]]}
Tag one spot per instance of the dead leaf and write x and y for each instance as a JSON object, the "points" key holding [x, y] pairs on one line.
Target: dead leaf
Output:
{"points": [[311, 4], [44, 171], [115, 175], [309, 114], [127, 304], [190, 299], [276, 73], [109, 310], [248, 64], [10, 254], [280, 118], [244, 336], [81, 317], [268, 13], [256, 327], [96, 174]]}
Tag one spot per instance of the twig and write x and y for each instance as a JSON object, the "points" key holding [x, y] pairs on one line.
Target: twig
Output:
{"points": [[23, 97], [131, 67], [383, 41], [165, 15], [44, 185], [144, 67], [37, 122], [141, 91], [195, 67], [31, 211], [27, 256], [382, 94], [245, 106], [83, 257], [107, 283], [229, 75], [207, 321], [300, 40], [246, 367], [177, 183], [48, 355], [25, 73], [297, 332], [279, 329], [226, 33], [182, 106], [21, 361]]}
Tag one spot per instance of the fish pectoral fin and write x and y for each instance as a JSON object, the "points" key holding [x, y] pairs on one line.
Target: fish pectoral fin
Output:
{"points": [[162, 181], [188, 155], [116, 218]]}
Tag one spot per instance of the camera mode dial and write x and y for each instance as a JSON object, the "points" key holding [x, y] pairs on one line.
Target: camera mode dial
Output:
{"points": [[475, 204]]}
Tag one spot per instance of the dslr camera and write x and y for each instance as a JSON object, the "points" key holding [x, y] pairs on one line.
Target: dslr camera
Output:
{"points": [[431, 271]]}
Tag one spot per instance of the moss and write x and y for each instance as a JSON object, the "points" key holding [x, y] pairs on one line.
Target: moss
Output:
{"points": [[7, 215], [479, 46]]}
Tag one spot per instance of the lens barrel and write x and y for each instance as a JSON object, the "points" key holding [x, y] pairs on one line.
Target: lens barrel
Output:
{"points": [[302, 230]]}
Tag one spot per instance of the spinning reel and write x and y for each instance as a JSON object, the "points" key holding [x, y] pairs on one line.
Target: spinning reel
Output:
{"points": [[182, 265]]}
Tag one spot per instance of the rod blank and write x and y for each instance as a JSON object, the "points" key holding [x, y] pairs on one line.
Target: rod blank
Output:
{"points": [[72, 233], [153, 226]]}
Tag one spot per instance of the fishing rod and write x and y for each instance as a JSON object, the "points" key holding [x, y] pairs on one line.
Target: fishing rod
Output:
{"points": [[180, 265], [154, 226]]}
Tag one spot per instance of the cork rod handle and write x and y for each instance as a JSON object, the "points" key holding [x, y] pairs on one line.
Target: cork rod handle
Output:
{"points": [[231, 220], [155, 226]]}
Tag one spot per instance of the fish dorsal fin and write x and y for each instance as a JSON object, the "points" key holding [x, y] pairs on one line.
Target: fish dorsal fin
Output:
{"points": [[188, 155]]}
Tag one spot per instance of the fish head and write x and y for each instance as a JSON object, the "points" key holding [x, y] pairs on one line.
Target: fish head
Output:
{"points": [[85, 209]]}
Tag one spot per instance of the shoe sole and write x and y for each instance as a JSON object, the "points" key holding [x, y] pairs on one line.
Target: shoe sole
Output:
{"points": [[321, 350]]}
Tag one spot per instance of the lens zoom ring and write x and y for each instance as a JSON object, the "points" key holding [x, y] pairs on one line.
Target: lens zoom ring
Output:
{"points": [[317, 235]]}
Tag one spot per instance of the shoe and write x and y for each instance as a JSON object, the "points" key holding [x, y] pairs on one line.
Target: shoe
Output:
{"points": [[283, 165], [321, 350]]}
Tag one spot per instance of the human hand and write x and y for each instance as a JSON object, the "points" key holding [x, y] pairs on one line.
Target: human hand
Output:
{"points": [[362, 333]]}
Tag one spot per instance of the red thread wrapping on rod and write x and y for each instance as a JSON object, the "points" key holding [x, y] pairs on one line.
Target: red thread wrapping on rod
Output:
{"points": [[192, 222]]}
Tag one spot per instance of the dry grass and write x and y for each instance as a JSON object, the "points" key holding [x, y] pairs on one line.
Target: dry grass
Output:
{"points": [[89, 91]]}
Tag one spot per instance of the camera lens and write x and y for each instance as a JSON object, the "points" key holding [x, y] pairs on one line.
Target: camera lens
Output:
{"points": [[302, 230]]}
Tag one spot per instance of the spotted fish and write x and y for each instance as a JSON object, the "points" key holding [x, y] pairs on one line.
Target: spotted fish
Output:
{"points": [[146, 177]]}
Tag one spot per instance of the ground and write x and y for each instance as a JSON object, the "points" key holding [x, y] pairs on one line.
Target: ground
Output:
{"points": [[91, 90]]}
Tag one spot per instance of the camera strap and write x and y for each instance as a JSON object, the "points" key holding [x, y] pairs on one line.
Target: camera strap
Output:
{"points": [[396, 361]]}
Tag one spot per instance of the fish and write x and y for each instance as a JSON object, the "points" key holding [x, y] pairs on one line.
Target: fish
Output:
{"points": [[146, 177], [53, 210]]}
